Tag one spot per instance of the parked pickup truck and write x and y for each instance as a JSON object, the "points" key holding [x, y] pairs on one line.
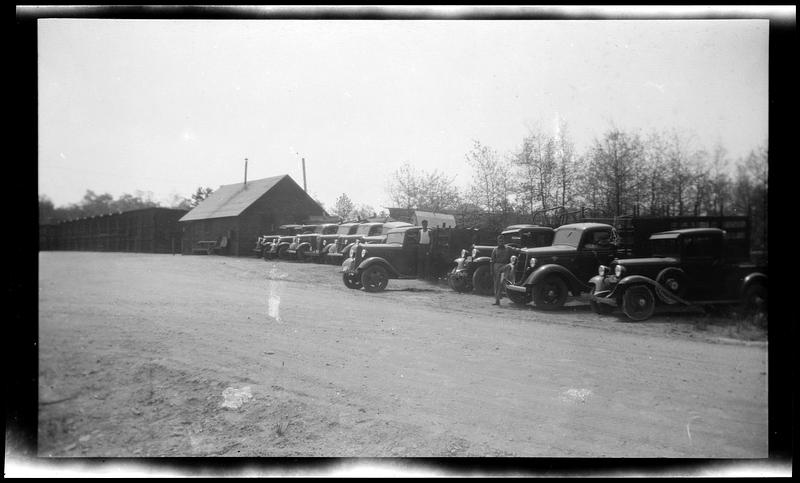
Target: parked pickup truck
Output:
{"points": [[339, 252], [281, 244], [303, 246], [548, 275], [473, 271], [326, 243], [268, 243], [372, 265], [366, 233], [695, 266]]}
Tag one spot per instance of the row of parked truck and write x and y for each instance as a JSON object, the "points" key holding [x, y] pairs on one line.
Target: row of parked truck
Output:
{"points": [[698, 265]]}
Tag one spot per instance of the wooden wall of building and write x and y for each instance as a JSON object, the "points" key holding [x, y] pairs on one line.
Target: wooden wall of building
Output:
{"points": [[150, 230]]}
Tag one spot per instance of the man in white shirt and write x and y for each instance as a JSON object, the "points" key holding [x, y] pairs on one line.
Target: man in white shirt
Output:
{"points": [[424, 252]]}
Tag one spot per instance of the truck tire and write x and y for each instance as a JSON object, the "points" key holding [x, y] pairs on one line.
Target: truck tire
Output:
{"points": [[598, 308], [351, 281], [482, 283], [638, 302], [374, 278], [519, 298], [301, 254], [674, 281], [550, 293], [458, 282], [754, 302], [282, 252]]}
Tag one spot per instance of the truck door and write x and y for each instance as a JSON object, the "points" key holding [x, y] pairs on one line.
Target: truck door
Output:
{"points": [[702, 260], [407, 258]]}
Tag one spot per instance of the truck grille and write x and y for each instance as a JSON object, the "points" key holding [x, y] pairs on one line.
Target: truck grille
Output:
{"points": [[520, 268]]}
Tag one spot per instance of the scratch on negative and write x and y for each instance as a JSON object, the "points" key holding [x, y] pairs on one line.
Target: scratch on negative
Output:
{"points": [[688, 432]]}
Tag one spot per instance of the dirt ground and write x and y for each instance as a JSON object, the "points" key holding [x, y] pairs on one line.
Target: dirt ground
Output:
{"points": [[166, 355]]}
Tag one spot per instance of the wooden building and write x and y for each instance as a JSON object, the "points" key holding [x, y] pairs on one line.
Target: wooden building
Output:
{"points": [[150, 230], [234, 216]]}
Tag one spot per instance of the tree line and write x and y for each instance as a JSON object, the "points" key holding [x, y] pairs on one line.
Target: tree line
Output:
{"points": [[622, 173], [93, 204]]}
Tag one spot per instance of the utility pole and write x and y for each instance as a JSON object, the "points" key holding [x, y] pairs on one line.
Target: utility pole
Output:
{"points": [[245, 172]]}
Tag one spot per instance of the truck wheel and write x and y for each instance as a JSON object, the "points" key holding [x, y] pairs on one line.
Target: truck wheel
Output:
{"points": [[550, 293], [675, 282], [754, 302], [458, 282], [601, 309], [351, 281], [518, 298], [638, 302], [301, 254], [482, 280], [282, 252], [374, 278]]}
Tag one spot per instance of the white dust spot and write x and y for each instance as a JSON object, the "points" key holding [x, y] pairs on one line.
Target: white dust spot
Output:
{"points": [[576, 395], [274, 296], [234, 398]]}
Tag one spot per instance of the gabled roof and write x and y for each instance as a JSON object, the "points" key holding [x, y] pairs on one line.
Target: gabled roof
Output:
{"points": [[232, 199]]}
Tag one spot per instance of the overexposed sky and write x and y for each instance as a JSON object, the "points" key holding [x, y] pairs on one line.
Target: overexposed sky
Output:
{"points": [[169, 105]]}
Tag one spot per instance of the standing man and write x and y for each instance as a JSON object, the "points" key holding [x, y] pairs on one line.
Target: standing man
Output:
{"points": [[501, 257], [424, 251]]}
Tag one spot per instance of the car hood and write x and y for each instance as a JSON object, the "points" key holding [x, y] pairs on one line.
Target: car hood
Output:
{"points": [[375, 238], [555, 250], [648, 262]]}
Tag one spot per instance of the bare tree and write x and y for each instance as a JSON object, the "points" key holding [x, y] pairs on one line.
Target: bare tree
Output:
{"points": [[200, 195], [432, 191], [535, 169], [489, 180], [343, 206], [568, 167], [614, 164], [720, 182]]}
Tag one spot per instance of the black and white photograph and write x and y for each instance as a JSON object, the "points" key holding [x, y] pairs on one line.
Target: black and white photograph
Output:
{"points": [[402, 241]]}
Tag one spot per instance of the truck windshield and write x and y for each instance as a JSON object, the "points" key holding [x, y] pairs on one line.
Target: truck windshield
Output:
{"points": [[569, 236], [364, 229], [329, 230], [344, 229], [664, 247], [396, 237]]}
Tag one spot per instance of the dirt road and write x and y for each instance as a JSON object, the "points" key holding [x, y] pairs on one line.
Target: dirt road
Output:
{"points": [[161, 355]]}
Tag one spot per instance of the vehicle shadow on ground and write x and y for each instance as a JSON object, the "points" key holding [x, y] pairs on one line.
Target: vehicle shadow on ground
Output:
{"points": [[411, 289]]}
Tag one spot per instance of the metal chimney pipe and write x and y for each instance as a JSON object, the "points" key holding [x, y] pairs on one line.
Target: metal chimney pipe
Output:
{"points": [[245, 172], [304, 174]]}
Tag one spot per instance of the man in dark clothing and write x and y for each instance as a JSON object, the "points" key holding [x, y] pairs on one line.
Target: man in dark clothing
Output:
{"points": [[501, 257]]}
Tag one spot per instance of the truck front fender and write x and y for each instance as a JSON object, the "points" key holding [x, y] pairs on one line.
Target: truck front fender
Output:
{"points": [[755, 277], [661, 292], [370, 261], [575, 285]]}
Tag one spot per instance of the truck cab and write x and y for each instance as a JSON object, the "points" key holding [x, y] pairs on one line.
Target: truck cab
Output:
{"points": [[371, 266], [303, 246], [280, 241], [694, 266], [472, 271], [548, 275]]}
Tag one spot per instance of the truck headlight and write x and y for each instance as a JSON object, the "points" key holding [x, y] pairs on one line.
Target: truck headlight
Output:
{"points": [[474, 252], [602, 270], [619, 271], [532, 263], [463, 253], [364, 253], [513, 259]]}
